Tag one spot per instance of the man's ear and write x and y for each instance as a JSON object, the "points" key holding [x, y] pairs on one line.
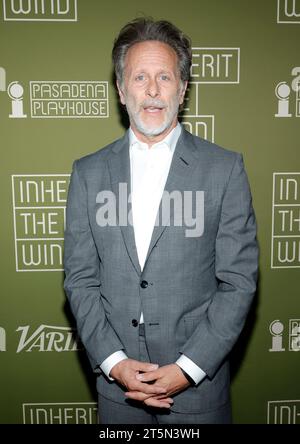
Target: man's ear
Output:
{"points": [[121, 93], [182, 92]]}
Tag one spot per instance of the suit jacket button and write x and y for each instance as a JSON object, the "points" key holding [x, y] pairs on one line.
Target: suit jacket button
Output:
{"points": [[144, 284], [134, 322]]}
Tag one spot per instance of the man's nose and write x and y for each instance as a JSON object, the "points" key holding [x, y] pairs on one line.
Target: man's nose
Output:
{"points": [[153, 88]]}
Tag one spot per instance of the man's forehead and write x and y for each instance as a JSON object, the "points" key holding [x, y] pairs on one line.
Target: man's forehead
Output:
{"points": [[151, 46], [151, 51]]}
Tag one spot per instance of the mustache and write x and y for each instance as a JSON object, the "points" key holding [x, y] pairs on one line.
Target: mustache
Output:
{"points": [[155, 103]]}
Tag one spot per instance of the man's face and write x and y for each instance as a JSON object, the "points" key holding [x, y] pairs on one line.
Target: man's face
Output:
{"points": [[152, 89]]}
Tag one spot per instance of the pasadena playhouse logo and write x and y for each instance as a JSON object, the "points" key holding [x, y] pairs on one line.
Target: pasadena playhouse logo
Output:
{"points": [[278, 343], [285, 242], [39, 206], [69, 99], [58, 99], [284, 412], [60, 413], [40, 10], [288, 11], [218, 65]]}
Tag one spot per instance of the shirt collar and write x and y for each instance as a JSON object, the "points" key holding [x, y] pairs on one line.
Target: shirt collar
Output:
{"points": [[170, 140]]}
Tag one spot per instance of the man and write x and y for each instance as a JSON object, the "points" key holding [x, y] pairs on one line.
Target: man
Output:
{"points": [[159, 306]]}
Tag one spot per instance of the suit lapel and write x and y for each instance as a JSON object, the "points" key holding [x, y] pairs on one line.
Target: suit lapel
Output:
{"points": [[182, 165], [119, 167]]}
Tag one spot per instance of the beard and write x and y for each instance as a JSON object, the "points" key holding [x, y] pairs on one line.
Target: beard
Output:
{"points": [[151, 129]]}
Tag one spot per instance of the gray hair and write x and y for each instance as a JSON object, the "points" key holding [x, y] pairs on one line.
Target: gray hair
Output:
{"points": [[145, 29]]}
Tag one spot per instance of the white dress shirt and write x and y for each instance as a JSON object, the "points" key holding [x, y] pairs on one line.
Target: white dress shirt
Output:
{"points": [[149, 168]]}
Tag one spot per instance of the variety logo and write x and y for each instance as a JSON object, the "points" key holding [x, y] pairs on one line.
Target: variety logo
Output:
{"points": [[283, 94], [40, 10], [288, 11], [48, 338], [285, 246], [284, 412], [277, 330], [39, 204], [60, 413]]}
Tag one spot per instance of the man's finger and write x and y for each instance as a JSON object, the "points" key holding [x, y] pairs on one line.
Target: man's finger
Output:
{"points": [[149, 376], [161, 397], [145, 366], [151, 389], [139, 396], [157, 403]]}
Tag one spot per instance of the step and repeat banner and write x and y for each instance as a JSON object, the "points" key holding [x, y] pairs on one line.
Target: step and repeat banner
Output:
{"points": [[58, 103]]}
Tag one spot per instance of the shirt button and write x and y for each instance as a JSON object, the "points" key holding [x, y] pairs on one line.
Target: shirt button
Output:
{"points": [[134, 322], [144, 284]]}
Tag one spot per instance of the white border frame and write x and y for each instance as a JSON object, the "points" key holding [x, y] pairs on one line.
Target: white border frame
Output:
{"points": [[38, 207], [24, 405], [273, 207], [279, 401], [289, 22], [203, 82], [75, 19]]}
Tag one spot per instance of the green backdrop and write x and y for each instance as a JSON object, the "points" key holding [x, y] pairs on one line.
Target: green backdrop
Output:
{"points": [[58, 103]]}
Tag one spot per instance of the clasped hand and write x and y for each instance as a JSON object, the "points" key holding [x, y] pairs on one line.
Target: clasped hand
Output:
{"points": [[154, 385]]}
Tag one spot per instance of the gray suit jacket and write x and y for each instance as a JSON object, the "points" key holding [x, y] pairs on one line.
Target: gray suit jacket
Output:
{"points": [[199, 288]]}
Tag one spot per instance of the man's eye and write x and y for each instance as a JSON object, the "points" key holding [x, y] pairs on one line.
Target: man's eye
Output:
{"points": [[140, 77], [164, 77]]}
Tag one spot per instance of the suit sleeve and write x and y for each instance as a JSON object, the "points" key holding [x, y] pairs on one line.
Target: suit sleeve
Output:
{"points": [[82, 278], [236, 268]]}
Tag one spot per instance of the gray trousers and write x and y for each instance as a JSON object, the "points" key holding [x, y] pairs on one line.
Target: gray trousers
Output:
{"points": [[135, 412]]}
